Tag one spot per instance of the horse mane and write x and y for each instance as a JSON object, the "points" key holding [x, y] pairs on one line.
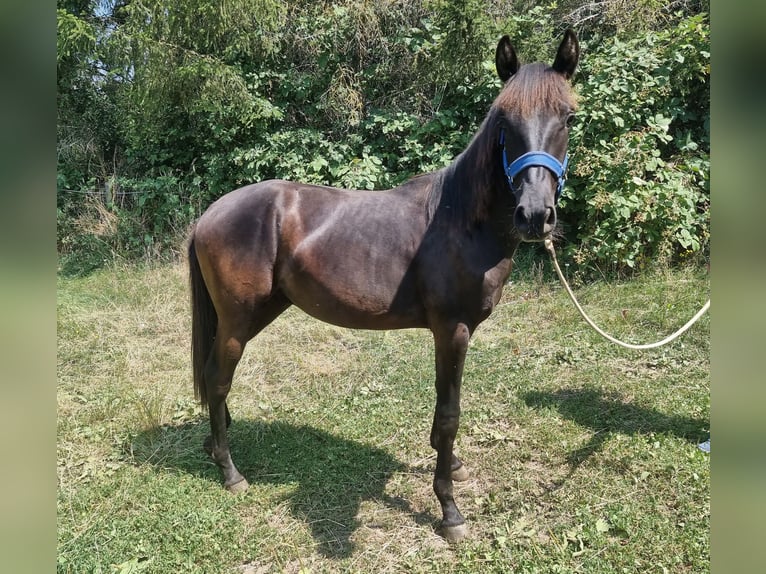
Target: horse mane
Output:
{"points": [[464, 190]]}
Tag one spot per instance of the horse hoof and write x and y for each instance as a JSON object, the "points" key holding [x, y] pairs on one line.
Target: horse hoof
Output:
{"points": [[460, 474], [238, 487], [454, 534]]}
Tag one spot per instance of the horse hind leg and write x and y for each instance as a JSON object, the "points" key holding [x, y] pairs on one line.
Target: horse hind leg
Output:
{"points": [[219, 372], [230, 341], [459, 471]]}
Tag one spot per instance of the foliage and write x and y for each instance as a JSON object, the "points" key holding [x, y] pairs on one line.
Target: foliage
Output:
{"points": [[626, 18], [85, 101], [73, 35], [641, 151], [176, 103]]}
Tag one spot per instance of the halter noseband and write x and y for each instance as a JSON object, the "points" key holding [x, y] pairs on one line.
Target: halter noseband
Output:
{"points": [[534, 158]]}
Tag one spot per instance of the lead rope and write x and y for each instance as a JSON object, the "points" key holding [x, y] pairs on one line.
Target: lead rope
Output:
{"points": [[666, 340]]}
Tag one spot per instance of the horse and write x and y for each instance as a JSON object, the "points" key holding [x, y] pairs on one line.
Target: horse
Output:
{"points": [[433, 253]]}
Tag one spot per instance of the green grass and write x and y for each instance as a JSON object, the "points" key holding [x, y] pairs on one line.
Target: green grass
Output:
{"points": [[582, 455]]}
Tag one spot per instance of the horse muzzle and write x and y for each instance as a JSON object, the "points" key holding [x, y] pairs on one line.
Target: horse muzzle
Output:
{"points": [[534, 223], [534, 217]]}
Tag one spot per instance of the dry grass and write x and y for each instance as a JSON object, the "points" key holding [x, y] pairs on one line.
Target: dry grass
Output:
{"points": [[583, 456]]}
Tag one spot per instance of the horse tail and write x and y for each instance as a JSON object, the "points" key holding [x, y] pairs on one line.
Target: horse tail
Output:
{"points": [[204, 323]]}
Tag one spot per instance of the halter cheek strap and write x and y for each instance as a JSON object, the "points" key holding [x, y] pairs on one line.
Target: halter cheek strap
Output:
{"points": [[534, 158]]}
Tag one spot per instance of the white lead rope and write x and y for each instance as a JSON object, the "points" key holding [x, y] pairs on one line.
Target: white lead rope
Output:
{"points": [[666, 340]]}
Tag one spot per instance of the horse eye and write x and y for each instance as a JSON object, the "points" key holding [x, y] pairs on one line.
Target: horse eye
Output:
{"points": [[570, 120]]}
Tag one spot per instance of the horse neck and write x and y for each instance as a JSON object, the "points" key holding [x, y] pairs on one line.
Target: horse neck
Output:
{"points": [[474, 183]]}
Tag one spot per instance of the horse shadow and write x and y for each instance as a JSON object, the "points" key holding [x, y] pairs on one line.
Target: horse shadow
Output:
{"points": [[608, 414], [331, 475]]}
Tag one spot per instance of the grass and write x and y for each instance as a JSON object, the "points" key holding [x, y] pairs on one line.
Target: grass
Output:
{"points": [[582, 455]]}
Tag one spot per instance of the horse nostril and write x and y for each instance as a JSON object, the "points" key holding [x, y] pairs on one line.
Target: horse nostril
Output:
{"points": [[551, 219], [520, 219]]}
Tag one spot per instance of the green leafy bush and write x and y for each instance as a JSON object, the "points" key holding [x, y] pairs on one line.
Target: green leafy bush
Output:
{"points": [[180, 102], [639, 180]]}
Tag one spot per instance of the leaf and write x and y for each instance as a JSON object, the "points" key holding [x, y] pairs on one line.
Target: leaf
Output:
{"points": [[318, 163], [602, 525], [131, 566]]}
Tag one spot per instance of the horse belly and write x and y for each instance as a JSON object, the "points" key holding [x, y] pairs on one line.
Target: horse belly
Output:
{"points": [[345, 288]]}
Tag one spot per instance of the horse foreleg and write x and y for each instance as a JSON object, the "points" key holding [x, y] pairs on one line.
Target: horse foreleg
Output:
{"points": [[451, 345]]}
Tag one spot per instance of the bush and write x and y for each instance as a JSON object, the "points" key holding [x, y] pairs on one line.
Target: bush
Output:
{"points": [[365, 95], [639, 177]]}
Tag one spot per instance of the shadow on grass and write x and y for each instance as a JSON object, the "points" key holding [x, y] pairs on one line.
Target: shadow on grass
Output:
{"points": [[609, 414], [333, 475]]}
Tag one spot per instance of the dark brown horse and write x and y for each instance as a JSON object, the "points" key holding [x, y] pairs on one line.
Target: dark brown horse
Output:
{"points": [[434, 252]]}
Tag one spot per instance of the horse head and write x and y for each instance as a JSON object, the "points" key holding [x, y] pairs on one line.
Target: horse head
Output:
{"points": [[534, 112]]}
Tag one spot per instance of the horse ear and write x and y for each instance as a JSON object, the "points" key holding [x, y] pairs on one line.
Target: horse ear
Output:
{"points": [[568, 55], [506, 62]]}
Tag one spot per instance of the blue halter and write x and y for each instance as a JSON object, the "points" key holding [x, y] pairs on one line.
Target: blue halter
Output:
{"points": [[534, 158]]}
